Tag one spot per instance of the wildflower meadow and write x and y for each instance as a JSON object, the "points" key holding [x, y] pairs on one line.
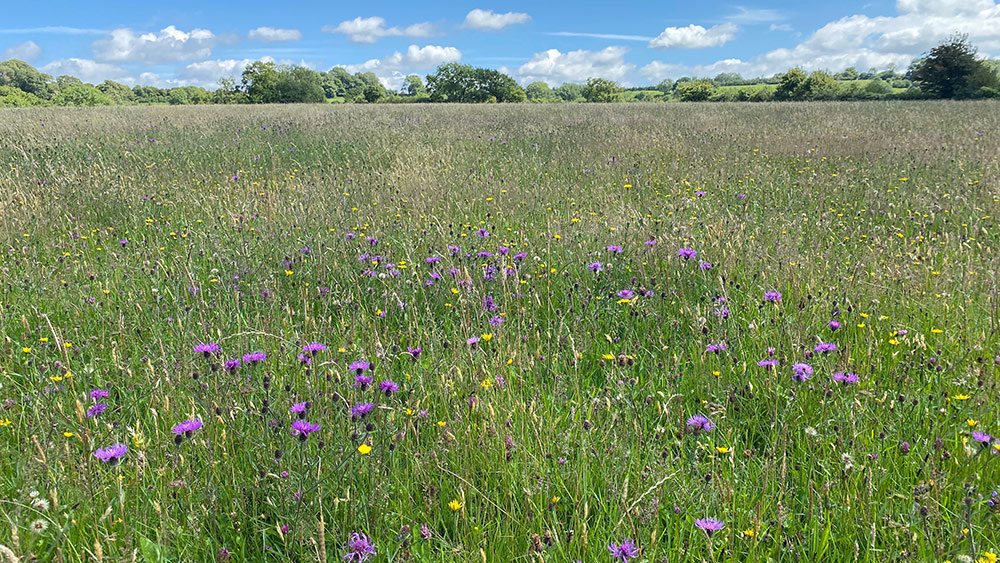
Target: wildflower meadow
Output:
{"points": [[578, 333]]}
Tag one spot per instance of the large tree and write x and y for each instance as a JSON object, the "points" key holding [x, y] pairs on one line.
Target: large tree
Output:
{"points": [[453, 82], [952, 70], [602, 90], [24, 77]]}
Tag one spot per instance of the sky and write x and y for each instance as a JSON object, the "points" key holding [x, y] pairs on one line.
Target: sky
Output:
{"points": [[185, 42]]}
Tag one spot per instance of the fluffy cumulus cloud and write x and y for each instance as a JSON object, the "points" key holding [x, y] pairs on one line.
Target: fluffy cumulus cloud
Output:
{"points": [[370, 30], [89, 71], [694, 36], [489, 21], [863, 42], [169, 44], [270, 34], [555, 67], [393, 69], [27, 51]]}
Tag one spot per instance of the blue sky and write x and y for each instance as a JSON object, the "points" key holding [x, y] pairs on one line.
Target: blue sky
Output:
{"points": [[633, 42]]}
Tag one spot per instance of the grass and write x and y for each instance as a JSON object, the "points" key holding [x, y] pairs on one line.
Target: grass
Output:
{"points": [[133, 234]]}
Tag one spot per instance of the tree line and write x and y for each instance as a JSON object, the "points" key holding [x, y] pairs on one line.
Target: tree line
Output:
{"points": [[950, 70]]}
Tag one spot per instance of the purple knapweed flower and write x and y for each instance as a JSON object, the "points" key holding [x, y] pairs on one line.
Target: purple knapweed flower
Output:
{"points": [[595, 267], [187, 427], [623, 551], [825, 347], [769, 363], [232, 365], [709, 525], [363, 381], [361, 410], [687, 253], [359, 549], [715, 348], [772, 296], [699, 423], [96, 394], [414, 352], [303, 428], [834, 325], [254, 358], [313, 347], [111, 454], [359, 367], [845, 378], [388, 387], [801, 371], [615, 248], [207, 348], [96, 410]]}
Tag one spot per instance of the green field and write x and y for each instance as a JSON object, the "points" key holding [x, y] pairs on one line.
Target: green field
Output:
{"points": [[533, 253]]}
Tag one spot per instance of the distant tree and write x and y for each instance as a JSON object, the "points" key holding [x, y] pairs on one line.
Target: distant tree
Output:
{"points": [[603, 91], [11, 97], [373, 93], [118, 92], [24, 77], [260, 82], [666, 86], [850, 73], [453, 82], [149, 94], [695, 91], [569, 92], [85, 95], [65, 82], [819, 86], [877, 89], [413, 85], [952, 70], [791, 85], [538, 92], [728, 79], [298, 85]]}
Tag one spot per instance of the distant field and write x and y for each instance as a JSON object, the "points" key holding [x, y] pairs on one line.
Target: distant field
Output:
{"points": [[545, 330]]}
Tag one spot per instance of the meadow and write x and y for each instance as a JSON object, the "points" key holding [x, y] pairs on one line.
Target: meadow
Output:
{"points": [[557, 333]]}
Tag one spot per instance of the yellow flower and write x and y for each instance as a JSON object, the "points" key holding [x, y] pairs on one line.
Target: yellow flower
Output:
{"points": [[988, 557], [971, 422], [936, 330], [486, 336], [364, 449], [5, 422], [56, 378], [43, 339], [441, 423], [454, 290], [608, 356], [289, 272], [68, 434], [455, 505], [722, 449], [486, 384], [961, 397], [26, 350], [68, 344], [749, 532], [628, 185], [717, 373]]}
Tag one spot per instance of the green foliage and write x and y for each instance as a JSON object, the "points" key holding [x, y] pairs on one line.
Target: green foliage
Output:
{"points": [[952, 70], [413, 85], [85, 95], [569, 92], [119, 93], [791, 85], [11, 97], [299, 85], [695, 91], [666, 86], [24, 77], [454, 82], [601, 90], [539, 92]]}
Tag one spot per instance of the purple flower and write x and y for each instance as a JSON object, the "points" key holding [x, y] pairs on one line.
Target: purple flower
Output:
{"points": [[414, 352], [845, 378], [825, 347], [362, 381], [207, 348], [687, 253], [359, 549], [772, 296], [489, 304], [705, 265], [98, 394], [710, 525], [700, 193], [982, 437], [425, 531], [769, 363], [361, 410], [596, 267], [699, 423], [626, 294], [299, 408], [232, 365], [96, 410], [801, 371], [716, 348], [111, 454], [624, 551], [904, 447], [472, 341], [388, 387], [520, 256], [650, 242], [254, 357], [303, 428], [615, 248], [313, 347], [304, 359], [834, 325], [496, 320], [187, 427], [359, 367]]}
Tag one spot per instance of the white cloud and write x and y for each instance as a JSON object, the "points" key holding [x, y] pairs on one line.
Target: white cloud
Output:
{"points": [[370, 30], [489, 21], [613, 36], [25, 51], [207, 73], [863, 42], [169, 44], [392, 69], [270, 34], [780, 27], [694, 36], [88, 71], [555, 67], [746, 15]]}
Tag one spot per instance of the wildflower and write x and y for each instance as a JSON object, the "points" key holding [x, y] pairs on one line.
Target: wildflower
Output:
{"points": [[414, 352], [232, 365], [359, 367], [299, 409], [624, 551], [39, 526], [772, 296], [687, 253], [360, 548], [111, 454], [698, 424], [254, 357], [709, 525], [834, 325], [455, 505], [98, 394], [40, 504], [615, 249], [845, 378], [388, 387], [768, 363], [904, 447], [207, 348], [363, 381], [982, 438], [715, 348], [825, 347], [364, 449], [361, 410], [626, 294], [187, 427], [801, 371], [303, 428], [313, 347], [425, 532], [705, 265], [496, 320], [595, 267], [96, 410], [472, 341]]}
